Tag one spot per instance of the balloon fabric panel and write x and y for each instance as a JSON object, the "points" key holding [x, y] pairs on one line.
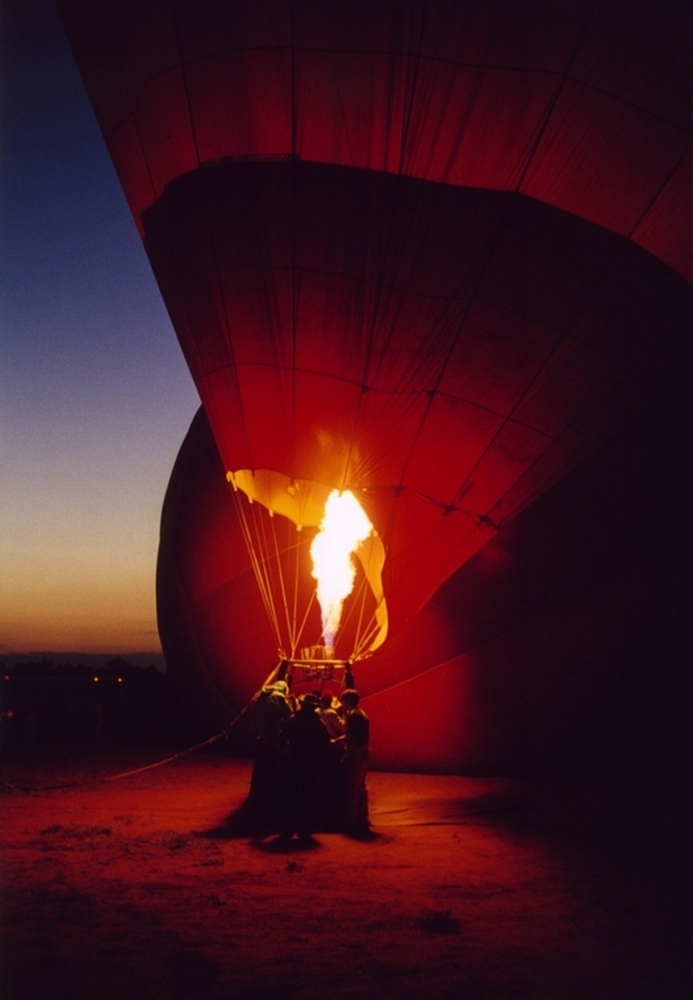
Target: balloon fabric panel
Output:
{"points": [[581, 106]]}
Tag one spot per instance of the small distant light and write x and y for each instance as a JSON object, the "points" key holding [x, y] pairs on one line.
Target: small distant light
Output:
{"points": [[120, 680], [96, 680], [6, 677]]}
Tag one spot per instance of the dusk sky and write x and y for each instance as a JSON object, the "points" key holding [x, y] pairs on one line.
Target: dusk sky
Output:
{"points": [[95, 396]]}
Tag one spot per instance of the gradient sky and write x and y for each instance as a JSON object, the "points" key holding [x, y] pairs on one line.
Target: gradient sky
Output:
{"points": [[95, 396]]}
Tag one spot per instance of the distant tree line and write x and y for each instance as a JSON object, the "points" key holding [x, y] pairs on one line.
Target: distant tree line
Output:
{"points": [[47, 703]]}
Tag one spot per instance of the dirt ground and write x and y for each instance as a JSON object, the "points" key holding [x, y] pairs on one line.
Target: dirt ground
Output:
{"points": [[119, 886]]}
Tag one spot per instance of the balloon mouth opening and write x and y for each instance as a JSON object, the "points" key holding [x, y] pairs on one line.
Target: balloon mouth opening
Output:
{"points": [[344, 544]]}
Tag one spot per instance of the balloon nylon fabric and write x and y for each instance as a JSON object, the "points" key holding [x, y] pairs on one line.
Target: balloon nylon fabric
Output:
{"points": [[582, 105], [352, 316], [355, 330]]}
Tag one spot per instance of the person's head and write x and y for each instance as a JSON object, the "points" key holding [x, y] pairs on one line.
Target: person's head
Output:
{"points": [[349, 698], [325, 699], [281, 687], [309, 702]]}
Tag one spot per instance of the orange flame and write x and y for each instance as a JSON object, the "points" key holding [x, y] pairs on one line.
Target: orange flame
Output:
{"points": [[343, 527]]}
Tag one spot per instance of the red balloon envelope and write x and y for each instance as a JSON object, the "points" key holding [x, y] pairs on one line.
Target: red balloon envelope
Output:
{"points": [[357, 313], [444, 354], [579, 105]]}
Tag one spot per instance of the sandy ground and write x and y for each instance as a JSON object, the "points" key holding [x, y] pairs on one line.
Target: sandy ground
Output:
{"points": [[120, 887]]}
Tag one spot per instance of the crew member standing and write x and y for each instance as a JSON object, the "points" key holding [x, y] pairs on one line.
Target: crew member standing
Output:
{"points": [[308, 744], [355, 764], [271, 715]]}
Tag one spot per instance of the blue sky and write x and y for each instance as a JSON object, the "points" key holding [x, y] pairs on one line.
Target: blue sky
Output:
{"points": [[95, 396]]}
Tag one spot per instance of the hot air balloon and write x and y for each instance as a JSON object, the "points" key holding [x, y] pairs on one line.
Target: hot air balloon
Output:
{"points": [[407, 249]]}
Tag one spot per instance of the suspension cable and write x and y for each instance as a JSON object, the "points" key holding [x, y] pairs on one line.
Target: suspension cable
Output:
{"points": [[261, 576], [277, 566]]}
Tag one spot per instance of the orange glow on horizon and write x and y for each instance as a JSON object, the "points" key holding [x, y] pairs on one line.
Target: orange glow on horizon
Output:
{"points": [[49, 606]]}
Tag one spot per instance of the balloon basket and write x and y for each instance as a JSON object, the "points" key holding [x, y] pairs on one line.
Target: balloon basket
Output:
{"points": [[315, 665]]}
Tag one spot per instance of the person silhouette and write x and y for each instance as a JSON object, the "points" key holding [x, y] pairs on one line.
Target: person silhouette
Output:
{"points": [[308, 747], [272, 712], [355, 764]]}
